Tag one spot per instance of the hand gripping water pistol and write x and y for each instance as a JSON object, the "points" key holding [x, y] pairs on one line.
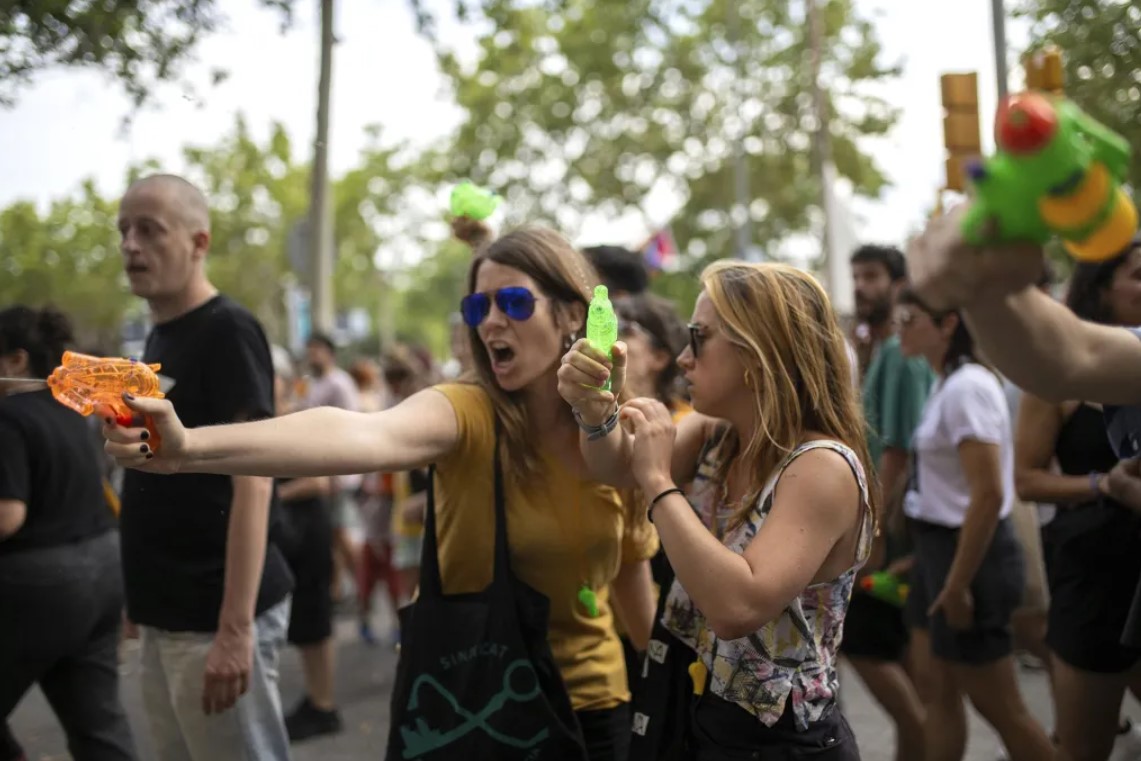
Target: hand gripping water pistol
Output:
{"points": [[89, 385], [602, 324], [473, 202], [1058, 172]]}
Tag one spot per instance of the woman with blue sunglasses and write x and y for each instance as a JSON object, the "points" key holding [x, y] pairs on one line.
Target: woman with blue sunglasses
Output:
{"points": [[782, 517], [570, 538]]}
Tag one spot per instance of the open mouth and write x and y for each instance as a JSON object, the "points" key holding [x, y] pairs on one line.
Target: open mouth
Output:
{"points": [[501, 355], [136, 269]]}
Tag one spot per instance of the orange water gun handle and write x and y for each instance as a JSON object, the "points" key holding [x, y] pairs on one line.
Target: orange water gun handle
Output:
{"points": [[126, 417], [89, 385]]}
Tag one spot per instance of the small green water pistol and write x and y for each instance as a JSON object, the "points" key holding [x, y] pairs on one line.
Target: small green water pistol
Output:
{"points": [[602, 325], [471, 201], [887, 587]]}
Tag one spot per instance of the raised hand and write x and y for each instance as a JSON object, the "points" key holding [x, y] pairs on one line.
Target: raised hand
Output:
{"points": [[654, 432], [584, 369], [947, 272]]}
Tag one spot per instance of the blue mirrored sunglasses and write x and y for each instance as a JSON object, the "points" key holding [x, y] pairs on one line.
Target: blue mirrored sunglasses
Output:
{"points": [[516, 302]]}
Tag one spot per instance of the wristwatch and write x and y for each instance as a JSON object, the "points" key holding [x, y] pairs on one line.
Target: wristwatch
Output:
{"points": [[596, 432]]}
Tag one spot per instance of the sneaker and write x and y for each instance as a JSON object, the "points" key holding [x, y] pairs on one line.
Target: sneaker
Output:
{"points": [[367, 635], [1127, 746], [307, 720]]}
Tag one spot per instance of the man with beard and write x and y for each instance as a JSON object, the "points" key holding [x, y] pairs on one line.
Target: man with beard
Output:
{"points": [[894, 390]]}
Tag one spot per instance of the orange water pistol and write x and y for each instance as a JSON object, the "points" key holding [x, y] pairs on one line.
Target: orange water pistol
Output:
{"points": [[89, 384]]}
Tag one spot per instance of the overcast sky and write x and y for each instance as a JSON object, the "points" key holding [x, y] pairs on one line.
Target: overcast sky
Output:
{"points": [[65, 127]]}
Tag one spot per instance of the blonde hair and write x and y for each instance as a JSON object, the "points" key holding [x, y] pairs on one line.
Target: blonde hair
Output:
{"points": [[786, 335]]}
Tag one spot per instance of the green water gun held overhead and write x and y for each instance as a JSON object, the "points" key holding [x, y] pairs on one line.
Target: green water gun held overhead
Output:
{"points": [[1057, 172], [602, 325], [471, 201]]}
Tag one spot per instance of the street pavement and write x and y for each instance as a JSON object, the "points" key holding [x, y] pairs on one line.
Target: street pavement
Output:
{"points": [[364, 679]]}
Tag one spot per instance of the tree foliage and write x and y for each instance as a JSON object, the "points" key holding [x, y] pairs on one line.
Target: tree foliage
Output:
{"points": [[574, 108], [1101, 49], [578, 107], [139, 43], [69, 257], [258, 191]]}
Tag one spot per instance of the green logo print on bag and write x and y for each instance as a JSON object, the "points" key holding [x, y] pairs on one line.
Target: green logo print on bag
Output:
{"points": [[423, 739]]}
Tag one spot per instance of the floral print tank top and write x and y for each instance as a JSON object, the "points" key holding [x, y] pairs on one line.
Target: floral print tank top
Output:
{"points": [[793, 657]]}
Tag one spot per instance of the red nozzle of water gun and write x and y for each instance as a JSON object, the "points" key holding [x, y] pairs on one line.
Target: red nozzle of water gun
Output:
{"points": [[1025, 123]]}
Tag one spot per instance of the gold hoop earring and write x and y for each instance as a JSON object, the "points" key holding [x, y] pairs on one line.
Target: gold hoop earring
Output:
{"points": [[748, 379]]}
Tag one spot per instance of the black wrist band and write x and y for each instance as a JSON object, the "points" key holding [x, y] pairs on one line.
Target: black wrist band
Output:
{"points": [[659, 498]]}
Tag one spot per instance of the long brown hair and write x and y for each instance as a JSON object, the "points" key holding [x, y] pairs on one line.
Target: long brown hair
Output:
{"points": [[786, 335], [565, 277]]}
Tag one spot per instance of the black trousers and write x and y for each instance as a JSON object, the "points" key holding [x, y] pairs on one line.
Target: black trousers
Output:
{"points": [[607, 733], [61, 610]]}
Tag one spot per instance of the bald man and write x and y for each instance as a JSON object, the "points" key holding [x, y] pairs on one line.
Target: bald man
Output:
{"points": [[208, 589]]}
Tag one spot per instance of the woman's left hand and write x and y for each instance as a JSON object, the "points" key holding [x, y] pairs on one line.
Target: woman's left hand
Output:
{"points": [[958, 606], [653, 429]]}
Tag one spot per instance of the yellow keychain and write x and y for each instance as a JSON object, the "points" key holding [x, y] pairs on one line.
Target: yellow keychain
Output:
{"points": [[698, 673]]}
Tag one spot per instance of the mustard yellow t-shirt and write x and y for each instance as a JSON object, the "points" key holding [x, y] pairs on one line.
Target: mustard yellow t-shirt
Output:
{"points": [[678, 410], [562, 531]]}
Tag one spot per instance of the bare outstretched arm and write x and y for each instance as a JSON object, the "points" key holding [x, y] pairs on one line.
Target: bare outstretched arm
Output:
{"points": [[319, 442], [1049, 351], [1036, 342]]}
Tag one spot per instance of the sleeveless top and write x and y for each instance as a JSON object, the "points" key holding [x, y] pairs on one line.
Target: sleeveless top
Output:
{"points": [[794, 656], [1096, 527], [1082, 445]]}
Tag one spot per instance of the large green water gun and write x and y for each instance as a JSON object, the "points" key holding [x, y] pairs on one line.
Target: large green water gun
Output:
{"points": [[886, 587], [602, 324], [471, 201], [1057, 171]]}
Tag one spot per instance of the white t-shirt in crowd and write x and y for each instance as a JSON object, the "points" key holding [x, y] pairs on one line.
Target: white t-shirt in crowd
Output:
{"points": [[967, 405]]}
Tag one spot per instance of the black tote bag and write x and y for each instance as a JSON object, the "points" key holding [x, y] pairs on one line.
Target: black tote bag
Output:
{"points": [[476, 678], [662, 694]]}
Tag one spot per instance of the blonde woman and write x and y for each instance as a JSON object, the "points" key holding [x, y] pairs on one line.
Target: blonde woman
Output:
{"points": [[766, 561]]}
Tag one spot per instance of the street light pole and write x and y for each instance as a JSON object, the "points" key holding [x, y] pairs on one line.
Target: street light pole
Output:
{"points": [[998, 12], [321, 207], [741, 222]]}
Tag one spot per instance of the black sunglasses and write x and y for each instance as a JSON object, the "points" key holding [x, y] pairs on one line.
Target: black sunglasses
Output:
{"points": [[696, 339], [516, 302], [905, 315]]}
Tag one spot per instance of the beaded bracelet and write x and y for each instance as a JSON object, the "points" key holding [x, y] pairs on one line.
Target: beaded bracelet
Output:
{"points": [[595, 432]]}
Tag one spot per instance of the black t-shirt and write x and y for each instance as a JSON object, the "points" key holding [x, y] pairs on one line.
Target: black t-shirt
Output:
{"points": [[174, 528], [47, 462]]}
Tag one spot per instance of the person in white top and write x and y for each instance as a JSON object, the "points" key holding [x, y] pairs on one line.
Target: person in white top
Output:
{"points": [[968, 574]]}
